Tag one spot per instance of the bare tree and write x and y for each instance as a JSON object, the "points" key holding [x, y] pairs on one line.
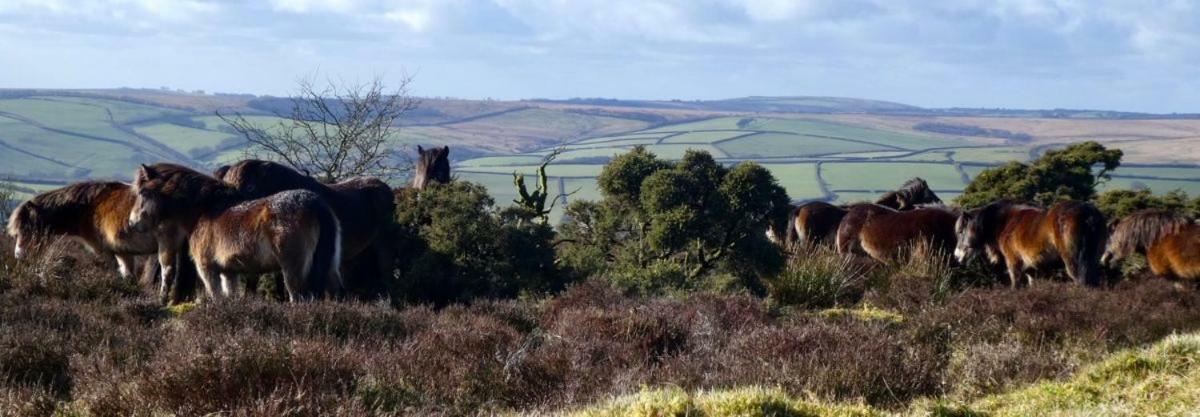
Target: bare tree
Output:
{"points": [[334, 132]]}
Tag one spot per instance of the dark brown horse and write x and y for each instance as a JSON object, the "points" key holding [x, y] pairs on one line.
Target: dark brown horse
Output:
{"points": [[818, 222], [887, 235], [433, 165], [294, 232], [94, 213], [1028, 239], [1170, 242], [857, 215]]}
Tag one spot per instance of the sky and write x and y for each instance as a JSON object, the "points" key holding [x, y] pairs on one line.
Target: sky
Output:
{"points": [[1097, 54]]}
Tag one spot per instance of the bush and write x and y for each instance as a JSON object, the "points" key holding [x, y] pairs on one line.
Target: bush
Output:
{"points": [[1063, 174], [455, 247], [693, 224]]}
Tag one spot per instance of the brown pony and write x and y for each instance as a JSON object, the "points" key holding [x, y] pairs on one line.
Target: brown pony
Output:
{"points": [[857, 215], [364, 207], [818, 222], [886, 235], [94, 213], [294, 232], [1170, 242], [1028, 238]]}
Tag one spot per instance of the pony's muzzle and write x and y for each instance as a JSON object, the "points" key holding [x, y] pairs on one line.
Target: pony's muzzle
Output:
{"points": [[17, 252], [1106, 259]]}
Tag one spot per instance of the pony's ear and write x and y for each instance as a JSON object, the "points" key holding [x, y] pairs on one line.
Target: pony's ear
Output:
{"points": [[146, 173], [444, 152], [420, 149]]}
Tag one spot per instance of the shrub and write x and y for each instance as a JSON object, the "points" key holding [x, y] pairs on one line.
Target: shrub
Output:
{"points": [[692, 224], [455, 246], [818, 278], [1061, 174]]}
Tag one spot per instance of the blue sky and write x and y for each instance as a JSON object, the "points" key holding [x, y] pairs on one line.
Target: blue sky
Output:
{"points": [[1122, 55]]}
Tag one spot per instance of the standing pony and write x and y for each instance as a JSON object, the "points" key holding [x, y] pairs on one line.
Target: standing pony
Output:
{"points": [[433, 165], [364, 208], [817, 222], [1028, 238], [886, 235], [1170, 242], [293, 232], [94, 213]]}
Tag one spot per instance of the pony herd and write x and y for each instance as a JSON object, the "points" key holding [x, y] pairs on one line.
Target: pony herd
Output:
{"points": [[247, 219], [1025, 239], [255, 217]]}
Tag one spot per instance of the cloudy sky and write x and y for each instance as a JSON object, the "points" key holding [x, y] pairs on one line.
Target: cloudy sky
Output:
{"points": [[1122, 55]]}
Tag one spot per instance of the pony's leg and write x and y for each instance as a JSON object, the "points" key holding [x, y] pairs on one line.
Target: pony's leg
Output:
{"points": [[125, 265], [166, 265], [230, 285], [1014, 274], [208, 275]]}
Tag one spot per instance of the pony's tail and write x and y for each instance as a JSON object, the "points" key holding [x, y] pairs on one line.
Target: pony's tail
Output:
{"points": [[324, 274], [1091, 232], [792, 236]]}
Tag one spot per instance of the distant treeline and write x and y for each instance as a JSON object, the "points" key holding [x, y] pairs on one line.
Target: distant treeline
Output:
{"points": [[968, 130]]}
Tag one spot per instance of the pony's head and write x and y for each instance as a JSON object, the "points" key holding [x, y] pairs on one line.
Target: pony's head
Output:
{"points": [[24, 226], [970, 233], [1136, 232], [433, 165], [149, 206]]}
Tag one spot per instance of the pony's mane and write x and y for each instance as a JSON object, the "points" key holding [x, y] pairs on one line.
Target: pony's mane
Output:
{"points": [[939, 206], [188, 185], [70, 197], [911, 189], [79, 193], [1142, 228]]}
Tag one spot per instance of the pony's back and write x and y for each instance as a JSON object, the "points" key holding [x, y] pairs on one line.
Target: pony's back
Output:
{"points": [[257, 179]]}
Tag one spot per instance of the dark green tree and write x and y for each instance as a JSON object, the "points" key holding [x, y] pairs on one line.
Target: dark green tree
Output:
{"points": [[687, 224], [1071, 173]]}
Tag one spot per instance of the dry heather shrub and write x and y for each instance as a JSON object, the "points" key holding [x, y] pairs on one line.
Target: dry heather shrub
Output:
{"points": [[197, 375]]}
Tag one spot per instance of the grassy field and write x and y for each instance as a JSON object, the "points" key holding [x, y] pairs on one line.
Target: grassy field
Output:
{"points": [[882, 176], [67, 137]]}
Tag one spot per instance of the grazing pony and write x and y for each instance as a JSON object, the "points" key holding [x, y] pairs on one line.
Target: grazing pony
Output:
{"points": [[818, 222], [886, 235], [294, 232], [1170, 242], [95, 213], [1028, 238]]}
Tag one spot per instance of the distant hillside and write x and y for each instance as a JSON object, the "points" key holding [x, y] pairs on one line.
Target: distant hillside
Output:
{"points": [[833, 149], [817, 105]]}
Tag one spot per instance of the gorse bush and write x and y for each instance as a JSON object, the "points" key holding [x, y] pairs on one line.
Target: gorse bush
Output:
{"points": [[454, 245], [1060, 174], [691, 224]]}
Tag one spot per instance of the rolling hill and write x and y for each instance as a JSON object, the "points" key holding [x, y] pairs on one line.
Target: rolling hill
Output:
{"points": [[833, 149]]}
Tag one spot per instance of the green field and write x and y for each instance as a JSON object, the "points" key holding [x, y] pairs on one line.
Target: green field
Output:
{"points": [[885, 176], [800, 180], [704, 137], [183, 138], [771, 145], [70, 137]]}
